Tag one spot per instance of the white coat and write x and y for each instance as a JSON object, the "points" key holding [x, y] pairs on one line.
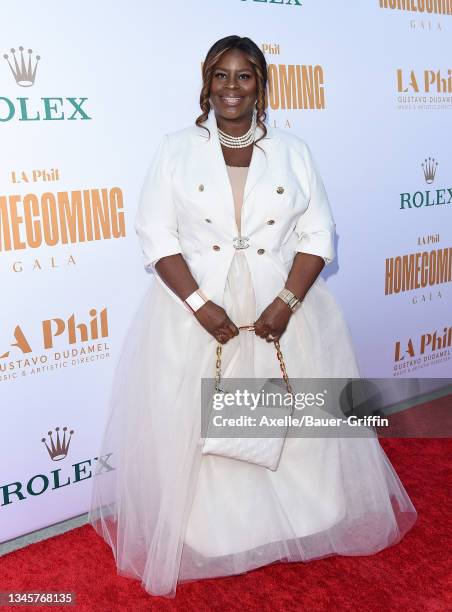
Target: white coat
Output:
{"points": [[187, 207]]}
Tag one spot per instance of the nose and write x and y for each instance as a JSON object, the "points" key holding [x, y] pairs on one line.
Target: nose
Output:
{"points": [[232, 83]]}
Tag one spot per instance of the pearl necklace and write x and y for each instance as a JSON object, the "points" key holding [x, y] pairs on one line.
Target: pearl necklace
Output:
{"points": [[239, 142]]}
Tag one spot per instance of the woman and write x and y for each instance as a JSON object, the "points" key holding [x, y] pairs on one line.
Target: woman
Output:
{"points": [[229, 217]]}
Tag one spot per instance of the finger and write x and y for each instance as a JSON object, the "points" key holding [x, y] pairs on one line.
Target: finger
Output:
{"points": [[262, 331], [257, 325], [219, 335], [234, 330], [225, 331]]}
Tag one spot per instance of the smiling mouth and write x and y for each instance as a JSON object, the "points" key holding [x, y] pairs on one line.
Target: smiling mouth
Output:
{"points": [[231, 101]]}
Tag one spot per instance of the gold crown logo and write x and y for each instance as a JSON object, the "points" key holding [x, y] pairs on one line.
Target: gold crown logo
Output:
{"points": [[24, 72], [429, 168], [58, 450]]}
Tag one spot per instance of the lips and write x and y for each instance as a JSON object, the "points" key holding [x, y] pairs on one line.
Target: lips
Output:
{"points": [[231, 100]]}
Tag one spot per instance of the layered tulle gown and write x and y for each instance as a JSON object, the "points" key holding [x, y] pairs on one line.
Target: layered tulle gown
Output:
{"points": [[171, 514]]}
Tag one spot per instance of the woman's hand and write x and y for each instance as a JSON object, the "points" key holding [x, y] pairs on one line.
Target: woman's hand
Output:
{"points": [[273, 320], [215, 320]]}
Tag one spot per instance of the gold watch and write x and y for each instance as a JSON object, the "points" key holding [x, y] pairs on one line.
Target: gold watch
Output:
{"points": [[292, 301]]}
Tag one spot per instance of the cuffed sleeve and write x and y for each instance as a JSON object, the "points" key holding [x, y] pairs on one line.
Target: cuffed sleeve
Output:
{"points": [[156, 219], [316, 227]]}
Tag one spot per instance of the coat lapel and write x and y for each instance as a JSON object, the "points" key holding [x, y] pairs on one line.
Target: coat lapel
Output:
{"points": [[216, 170]]}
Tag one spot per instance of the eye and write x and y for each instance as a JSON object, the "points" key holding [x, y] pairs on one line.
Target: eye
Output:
{"points": [[246, 75], [220, 74]]}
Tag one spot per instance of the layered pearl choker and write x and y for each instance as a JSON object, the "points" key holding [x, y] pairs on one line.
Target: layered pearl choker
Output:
{"points": [[239, 142]]}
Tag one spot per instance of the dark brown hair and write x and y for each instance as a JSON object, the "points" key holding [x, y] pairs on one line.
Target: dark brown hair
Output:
{"points": [[257, 59]]}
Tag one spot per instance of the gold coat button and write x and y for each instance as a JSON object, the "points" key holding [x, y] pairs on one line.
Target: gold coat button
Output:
{"points": [[280, 189], [270, 222], [208, 220], [216, 247], [261, 251], [201, 187]]}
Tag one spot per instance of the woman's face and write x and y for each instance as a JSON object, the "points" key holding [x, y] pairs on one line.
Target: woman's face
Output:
{"points": [[233, 90]]}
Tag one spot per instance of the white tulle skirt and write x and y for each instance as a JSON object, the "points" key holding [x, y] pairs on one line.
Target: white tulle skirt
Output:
{"points": [[171, 514]]}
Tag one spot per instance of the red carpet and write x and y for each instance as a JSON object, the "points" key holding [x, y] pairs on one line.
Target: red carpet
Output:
{"points": [[415, 575]]}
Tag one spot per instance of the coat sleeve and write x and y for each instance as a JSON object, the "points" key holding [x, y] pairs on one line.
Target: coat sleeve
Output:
{"points": [[156, 219], [316, 227]]}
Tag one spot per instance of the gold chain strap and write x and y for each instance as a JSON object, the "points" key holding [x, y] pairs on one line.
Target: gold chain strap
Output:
{"points": [[279, 354]]}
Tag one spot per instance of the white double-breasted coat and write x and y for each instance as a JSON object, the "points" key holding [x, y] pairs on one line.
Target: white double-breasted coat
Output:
{"points": [[187, 207]]}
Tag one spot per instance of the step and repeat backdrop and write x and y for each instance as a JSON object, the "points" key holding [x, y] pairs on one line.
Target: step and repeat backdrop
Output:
{"points": [[85, 96]]}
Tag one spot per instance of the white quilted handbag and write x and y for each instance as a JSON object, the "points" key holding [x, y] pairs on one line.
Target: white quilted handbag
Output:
{"points": [[263, 451]]}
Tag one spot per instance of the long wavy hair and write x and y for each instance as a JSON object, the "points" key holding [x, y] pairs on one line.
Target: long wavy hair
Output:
{"points": [[259, 63]]}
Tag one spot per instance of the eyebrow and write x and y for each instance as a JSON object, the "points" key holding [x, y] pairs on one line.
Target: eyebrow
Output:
{"points": [[239, 70]]}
